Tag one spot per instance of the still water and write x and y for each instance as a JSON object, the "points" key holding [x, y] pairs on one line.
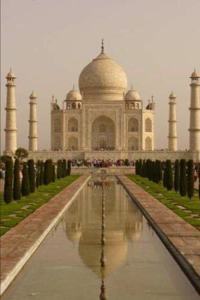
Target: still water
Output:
{"points": [[67, 265]]}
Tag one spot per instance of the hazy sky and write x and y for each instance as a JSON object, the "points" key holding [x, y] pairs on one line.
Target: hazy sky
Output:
{"points": [[48, 42]]}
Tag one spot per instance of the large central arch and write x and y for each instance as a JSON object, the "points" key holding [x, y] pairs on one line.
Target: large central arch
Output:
{"points": [[103, 134]]}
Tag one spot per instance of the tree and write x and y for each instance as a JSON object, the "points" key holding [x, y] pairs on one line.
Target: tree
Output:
{"points": [[59, 169], [4, 158], [48, 173], [25, 188], [190, 179], [41, 173], [198, 172], [21, 153], [158, 167], [169, 175], [164, 175], [53, 173], [37, 182], [64, 168], [8, 184], [176, 175], [17, 183], [69, 163], [183, 179], [31, 174]]}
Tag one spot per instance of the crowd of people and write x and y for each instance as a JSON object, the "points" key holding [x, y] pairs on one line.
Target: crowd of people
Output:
{"points": [[101, 163]]}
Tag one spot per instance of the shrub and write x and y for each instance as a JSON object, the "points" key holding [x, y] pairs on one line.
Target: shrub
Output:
{"points": [[41, 172], [21, 153], [183, 179], [169, 175], [158, 166], [31, 174], [37, 182], [8, 184], [16, 183], [69, 163], [190, 179], [64, 168], [176, 175], [59, 169], [25, 188]]}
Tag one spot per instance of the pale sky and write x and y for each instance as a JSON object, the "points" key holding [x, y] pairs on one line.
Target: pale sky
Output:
{"points": [[48, 42]]}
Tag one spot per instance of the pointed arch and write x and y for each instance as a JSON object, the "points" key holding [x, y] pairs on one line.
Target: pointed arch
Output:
{"points": [[148, 144], [133, 125], [148, 125], [73, 125], [133, 144]]}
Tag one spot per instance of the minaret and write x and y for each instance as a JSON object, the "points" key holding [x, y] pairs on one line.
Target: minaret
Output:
{"points": [[195, 112], [172, 137], [11, 126], [33, 137]]}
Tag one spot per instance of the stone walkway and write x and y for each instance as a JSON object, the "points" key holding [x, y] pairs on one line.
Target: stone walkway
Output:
{"points": [[181, 239], [19, 243]]}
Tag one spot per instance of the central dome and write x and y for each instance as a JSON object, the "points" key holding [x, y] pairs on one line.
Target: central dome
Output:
{"points": [[103, 79]]}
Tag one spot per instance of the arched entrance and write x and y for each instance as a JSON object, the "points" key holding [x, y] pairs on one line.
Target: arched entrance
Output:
{"points": [[103, 134]]}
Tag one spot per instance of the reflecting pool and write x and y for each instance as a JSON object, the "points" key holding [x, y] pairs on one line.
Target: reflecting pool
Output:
{"points": [[68, 264]]}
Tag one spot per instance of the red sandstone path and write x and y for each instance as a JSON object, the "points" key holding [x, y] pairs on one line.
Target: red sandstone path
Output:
{"points": [[19, 243], [180, 237]]}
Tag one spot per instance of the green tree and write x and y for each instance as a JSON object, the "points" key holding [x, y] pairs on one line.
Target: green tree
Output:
{"points": [[59, 169], [37, 182], [190, 179], [54, 173], [25, 188], [31, 174], [21, 153], [158, 166], [41, 173], [8, 184], [164, 175], [17, 183], [169, 175], [69, 163], [183, 179], [176, 175], [64, 168], [198, 174]]}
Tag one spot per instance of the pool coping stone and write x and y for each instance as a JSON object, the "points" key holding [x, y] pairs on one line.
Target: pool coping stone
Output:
{"points": [[180, 238], [21, 241]]}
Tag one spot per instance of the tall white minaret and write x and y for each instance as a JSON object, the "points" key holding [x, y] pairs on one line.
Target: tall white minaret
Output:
{"points": [[195, 112], [172, 137], [11, 126], [33, 135]]}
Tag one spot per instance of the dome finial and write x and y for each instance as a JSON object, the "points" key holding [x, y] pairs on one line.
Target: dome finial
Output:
{"points": [[102, 46]]}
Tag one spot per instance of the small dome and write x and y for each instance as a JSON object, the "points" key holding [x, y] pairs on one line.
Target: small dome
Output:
{"points": [[172, 95], [10, 74], [73, 95], [33, 95], [195, 74], [103, 79], [132, 95]]}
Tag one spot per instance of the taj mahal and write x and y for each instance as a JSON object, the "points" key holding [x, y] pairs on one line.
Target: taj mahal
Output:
{"points": [[104, 119]]}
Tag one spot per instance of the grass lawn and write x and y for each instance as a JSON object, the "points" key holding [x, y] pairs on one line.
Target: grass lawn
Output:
{"points": [[188, 209], [16, 211]]}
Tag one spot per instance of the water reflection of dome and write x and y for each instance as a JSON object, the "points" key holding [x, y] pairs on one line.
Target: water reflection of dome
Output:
{"points": [[73, 231], [115, 250], [134, 225], [110, 193]]}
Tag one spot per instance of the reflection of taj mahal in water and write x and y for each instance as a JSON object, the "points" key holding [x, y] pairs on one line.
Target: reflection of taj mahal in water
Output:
{"points": [[82, 223]]}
